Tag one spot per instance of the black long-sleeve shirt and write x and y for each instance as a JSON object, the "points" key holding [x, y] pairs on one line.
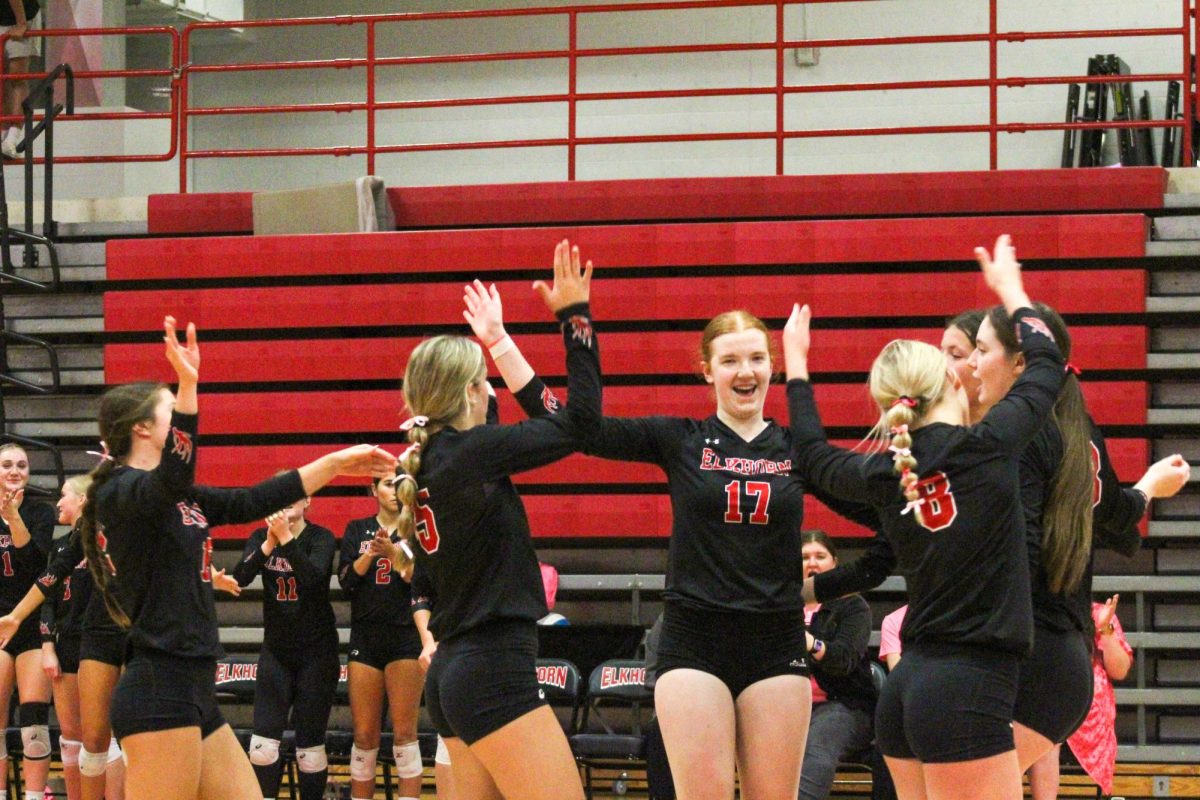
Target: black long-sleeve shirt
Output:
{"points": [[844, 671], [1115, 514], [381, 596], [156, 528], [966, 566], [21, 566], [66, 586], [474, 551], [297, 613]]}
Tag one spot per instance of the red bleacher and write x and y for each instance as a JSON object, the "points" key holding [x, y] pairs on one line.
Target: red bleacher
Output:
{"points": [[809, 196], [758, 243]]}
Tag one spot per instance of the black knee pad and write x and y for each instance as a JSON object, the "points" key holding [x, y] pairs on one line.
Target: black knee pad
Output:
{"points": [[33, 714]]}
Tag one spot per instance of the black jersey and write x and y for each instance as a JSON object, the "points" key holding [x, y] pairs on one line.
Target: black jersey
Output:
{"points": [[21, 566], [296, 610], [965, 563], [737, 508], [1115, 514], [66, 585], [474, 552], [381, 596], [156, 532]]}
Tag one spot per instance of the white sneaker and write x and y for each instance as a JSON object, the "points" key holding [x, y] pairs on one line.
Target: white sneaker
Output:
{"points": [[8, 145]]}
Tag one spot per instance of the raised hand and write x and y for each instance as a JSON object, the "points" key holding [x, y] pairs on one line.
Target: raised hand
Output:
{"points": [[1106, 615], [796, 341], [484, 312], [1002, 272], [278, 528], [1165, 477], [10, 505], [571, 284], [185, 358]]}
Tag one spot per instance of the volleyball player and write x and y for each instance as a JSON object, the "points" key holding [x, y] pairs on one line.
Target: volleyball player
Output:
{"points": [[374, 570], [475, 549], [1073, 503], [26, 530], [948, 502], [147, 524], [298, 666]]}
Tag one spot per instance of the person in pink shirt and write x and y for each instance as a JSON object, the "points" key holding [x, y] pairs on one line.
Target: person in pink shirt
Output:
{"points": [[1094, 744], [889, 637]]}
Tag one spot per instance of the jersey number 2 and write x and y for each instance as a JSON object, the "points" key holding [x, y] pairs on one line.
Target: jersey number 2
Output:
{"points": [[761, 491]]}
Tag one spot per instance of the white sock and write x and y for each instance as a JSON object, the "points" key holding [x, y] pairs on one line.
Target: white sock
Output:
{"points": [[30, 794]]}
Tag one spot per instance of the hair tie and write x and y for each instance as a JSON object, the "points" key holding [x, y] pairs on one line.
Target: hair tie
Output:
{"points": [[1074, 370], [103, 456], [913, 505], [403, 476], [904, 400], [904, 452], [414, 421], [403, 545], [899, 430]]}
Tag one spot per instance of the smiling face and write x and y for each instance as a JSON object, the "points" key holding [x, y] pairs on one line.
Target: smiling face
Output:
{"points": [[70, 505], [739, 370], [994, 369], [816, 559], [14, 468], [958, 348]]}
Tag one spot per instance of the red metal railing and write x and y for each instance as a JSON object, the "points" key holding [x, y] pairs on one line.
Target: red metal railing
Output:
{"points": [[183, 111], [170, 72]]}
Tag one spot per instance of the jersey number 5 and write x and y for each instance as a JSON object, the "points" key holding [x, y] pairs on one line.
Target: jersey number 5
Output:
{"points": [[760, 490], [426, 524], [938, 509]]}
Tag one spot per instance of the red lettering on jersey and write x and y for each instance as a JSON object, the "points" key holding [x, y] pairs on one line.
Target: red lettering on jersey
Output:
{"points": [[581, 329], [181, 445], [66, 595], [712, 462], [552, 675], [206, 561], [48, 580], [426, 524], [5, 540], [549, 401], [278, 564], [192, 515], [1037, 325], [1097, 485], [102, 545], [938, 510]]}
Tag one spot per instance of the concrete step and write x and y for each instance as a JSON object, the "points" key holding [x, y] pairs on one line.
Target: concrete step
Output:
{"points": [[1183, 506], [1167, 529], [70, 254], [1181, 228], [1174, 395], [1173, 361], [1188, 447], [70, 356], [1182, 200], [1181, 304], [1175, 340], [1173, 416], [1169, 249], [1175, 282], [54, 430], [55, 408], [53, 305]]}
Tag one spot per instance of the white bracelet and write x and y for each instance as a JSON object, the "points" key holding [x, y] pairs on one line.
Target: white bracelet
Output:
{"points": [[501, 347]]}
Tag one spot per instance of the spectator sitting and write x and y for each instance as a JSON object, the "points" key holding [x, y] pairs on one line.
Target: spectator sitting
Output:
{"points": [[843, 693]]}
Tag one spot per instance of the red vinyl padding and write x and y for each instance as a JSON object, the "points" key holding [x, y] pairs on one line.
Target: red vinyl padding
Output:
{"points": [[999, 191], [1109, 347], [661, 299], [701, 244]]}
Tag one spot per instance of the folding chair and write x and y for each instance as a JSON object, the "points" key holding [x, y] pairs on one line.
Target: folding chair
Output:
{"points": [[615, 684]]}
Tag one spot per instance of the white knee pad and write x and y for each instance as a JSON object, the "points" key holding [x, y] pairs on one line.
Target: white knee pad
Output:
{"points": [[114, 751], [35, 742], [263, 751], [408, 760], [442, 756], [312, 759], [362, 763], [91, 765], [70, 751]]}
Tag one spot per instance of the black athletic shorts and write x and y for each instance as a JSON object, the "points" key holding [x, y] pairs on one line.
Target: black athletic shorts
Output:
{"points": [[106, 645], [159, 692], [379, 645], [946, 703], [67, 650], [1054, 687], [299, 686], [738, 648], [484, 679], [28, 637]]}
